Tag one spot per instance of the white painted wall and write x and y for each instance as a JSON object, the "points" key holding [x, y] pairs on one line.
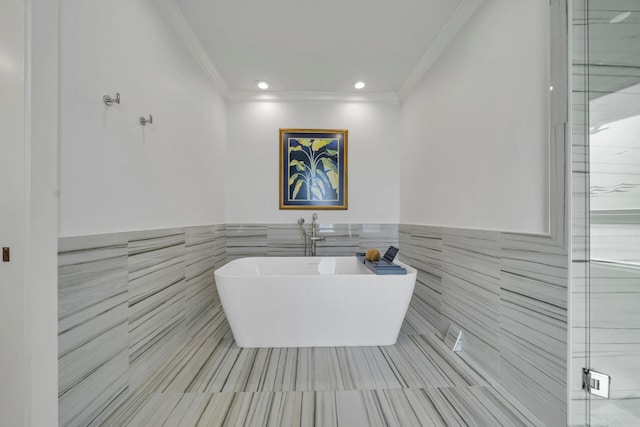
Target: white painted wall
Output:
{"points": [[116, 175], [253, 158], [475, 129]]}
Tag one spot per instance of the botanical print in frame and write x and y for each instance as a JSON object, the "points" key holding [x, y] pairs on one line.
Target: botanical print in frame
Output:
{"points": [[313, 169]]}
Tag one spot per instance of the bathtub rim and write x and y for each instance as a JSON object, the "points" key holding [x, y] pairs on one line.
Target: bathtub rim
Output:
{"points": [[222, 270]]}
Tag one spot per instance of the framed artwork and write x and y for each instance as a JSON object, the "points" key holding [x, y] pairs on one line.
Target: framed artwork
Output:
{"points": [[313, 169]]}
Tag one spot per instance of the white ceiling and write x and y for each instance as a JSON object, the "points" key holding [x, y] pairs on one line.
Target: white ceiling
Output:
{"points": [[319, 45]]}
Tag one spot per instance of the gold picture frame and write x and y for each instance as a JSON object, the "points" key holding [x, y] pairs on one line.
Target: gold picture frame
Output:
{"points": [[313, 168]]}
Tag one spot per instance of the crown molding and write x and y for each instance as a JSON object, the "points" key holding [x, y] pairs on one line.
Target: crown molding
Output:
{"points": [[458, 19], [181, 26], [319, 97]]}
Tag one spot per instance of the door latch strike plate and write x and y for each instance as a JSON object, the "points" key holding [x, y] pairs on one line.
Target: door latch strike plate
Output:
{"points": [[6, 254]]}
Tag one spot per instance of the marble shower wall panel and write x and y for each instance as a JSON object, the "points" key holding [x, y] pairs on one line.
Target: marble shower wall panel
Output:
{"points": [[156, 299], [93, 356], [533, 322], [471, 292], [245, 240], [421, 247], [205, 251]]}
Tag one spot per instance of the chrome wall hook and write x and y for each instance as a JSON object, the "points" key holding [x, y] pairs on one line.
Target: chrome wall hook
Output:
{"points": [[110, 101], [143, 120]]}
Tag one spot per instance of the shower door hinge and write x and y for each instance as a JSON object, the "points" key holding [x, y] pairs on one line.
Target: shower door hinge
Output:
{"points": [[596, 383]]}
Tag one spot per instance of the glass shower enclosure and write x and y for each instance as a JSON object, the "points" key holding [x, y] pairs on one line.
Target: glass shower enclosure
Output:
{"points": [[606, 213]]}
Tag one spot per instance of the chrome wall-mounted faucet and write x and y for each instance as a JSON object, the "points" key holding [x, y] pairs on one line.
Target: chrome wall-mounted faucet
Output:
{"points": [[314, 234], [314, 238]]}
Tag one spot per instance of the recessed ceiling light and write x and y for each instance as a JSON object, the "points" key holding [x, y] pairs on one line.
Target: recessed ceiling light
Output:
{"points": [[261, 84], [359, 85], [619, 18]]}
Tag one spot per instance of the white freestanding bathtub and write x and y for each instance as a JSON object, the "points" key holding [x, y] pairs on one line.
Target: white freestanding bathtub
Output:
{"points": [[312, 302]]}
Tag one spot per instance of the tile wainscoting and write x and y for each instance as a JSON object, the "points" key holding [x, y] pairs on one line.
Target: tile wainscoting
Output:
{"points": [[125, 301], [128, 300], [245, 240], [508, 294]]}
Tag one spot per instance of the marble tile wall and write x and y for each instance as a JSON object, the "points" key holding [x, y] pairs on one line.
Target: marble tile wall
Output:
{"points": [[534, 324], [93, 356], [471, 291], [245, 240], [421, 247], [205, 250], [128, 300], [508, 294], [156, 265], [379, 236], [125, 302]]}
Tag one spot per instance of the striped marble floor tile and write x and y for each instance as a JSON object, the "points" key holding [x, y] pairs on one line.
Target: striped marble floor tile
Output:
{"points": [[214, 364], [209, 381], [459, 406], [415, 322]]}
